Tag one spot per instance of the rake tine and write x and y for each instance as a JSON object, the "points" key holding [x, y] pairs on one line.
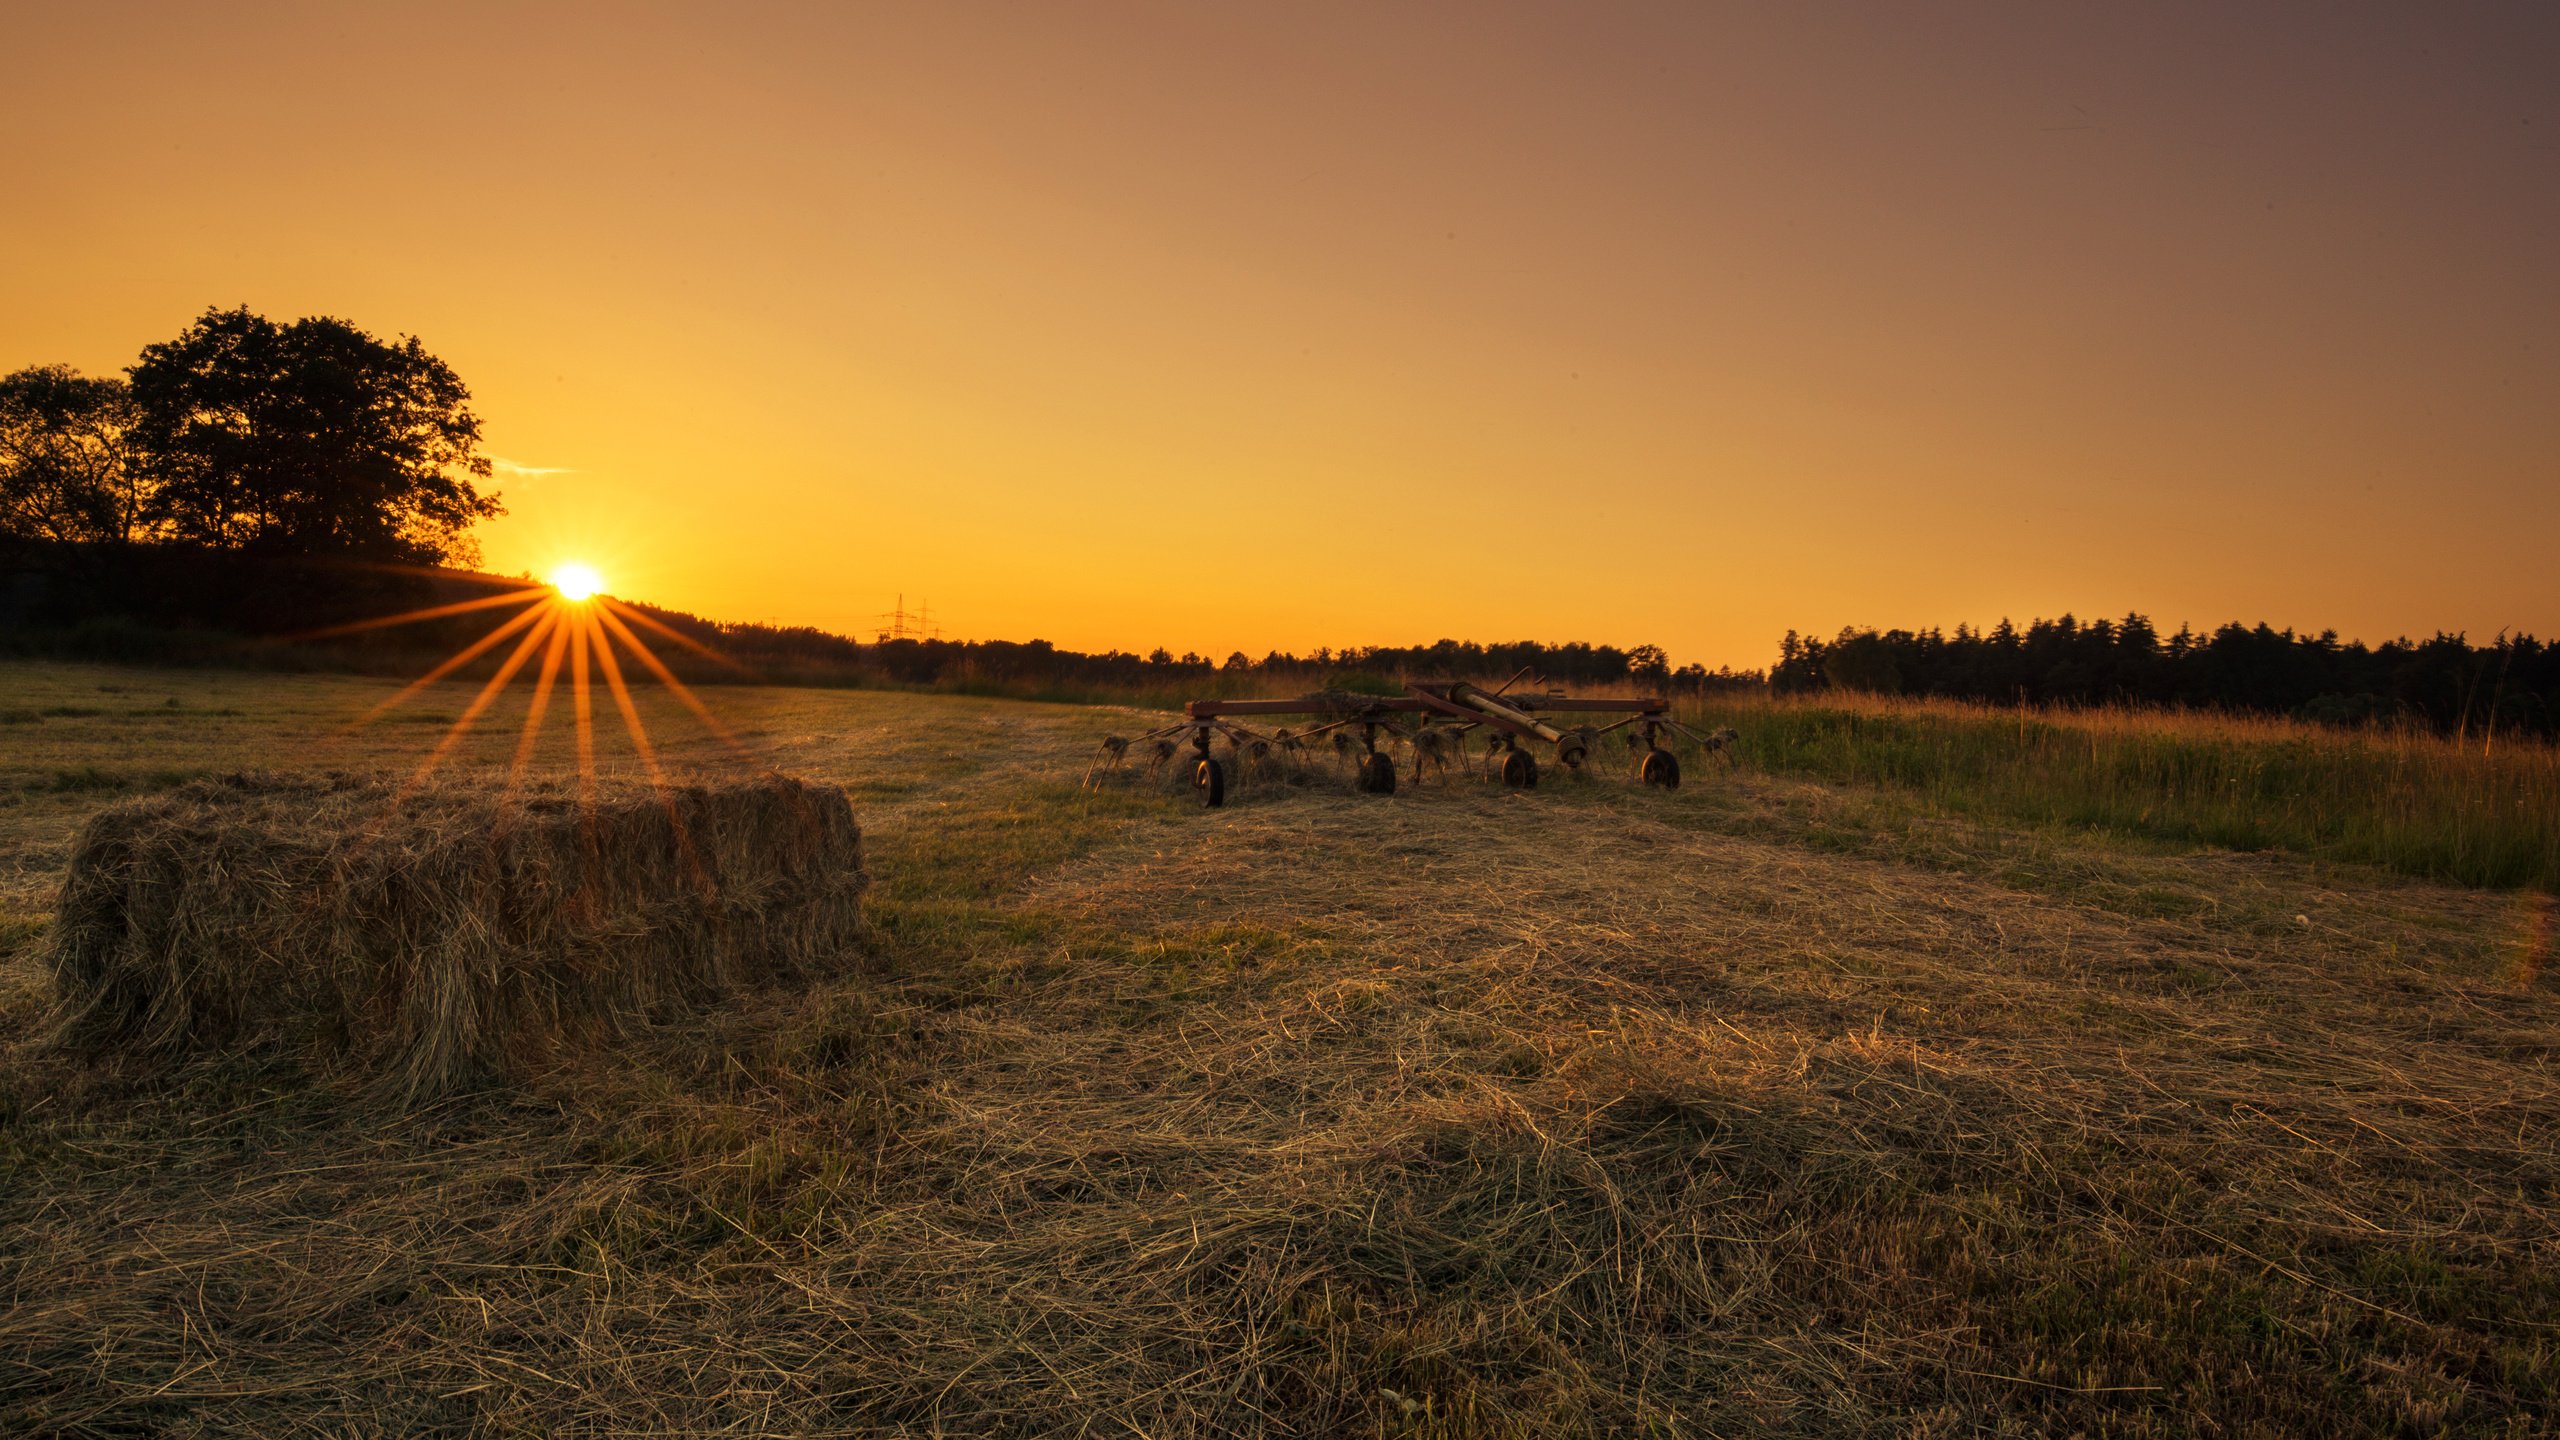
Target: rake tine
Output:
{"points": [[1114, 749]]}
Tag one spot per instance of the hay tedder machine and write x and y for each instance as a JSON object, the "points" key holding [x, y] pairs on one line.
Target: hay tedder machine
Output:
{"points": [[1435, 722]]}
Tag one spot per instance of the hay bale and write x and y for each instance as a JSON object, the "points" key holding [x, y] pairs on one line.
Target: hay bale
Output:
{"points": [[443, 938]]}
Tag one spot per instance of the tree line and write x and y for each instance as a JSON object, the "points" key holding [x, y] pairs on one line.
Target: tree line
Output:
{"points": [[304, 439], [2446, 683], [2508, 687], [1038, 667]]}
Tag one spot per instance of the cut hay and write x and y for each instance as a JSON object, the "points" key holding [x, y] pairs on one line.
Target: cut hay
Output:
{"points": [[444, 938]]}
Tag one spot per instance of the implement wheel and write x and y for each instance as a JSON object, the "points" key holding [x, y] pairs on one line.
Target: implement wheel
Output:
{"points": [[1520, 770], [1210, 780], [1659, 767], [1377, 775]]}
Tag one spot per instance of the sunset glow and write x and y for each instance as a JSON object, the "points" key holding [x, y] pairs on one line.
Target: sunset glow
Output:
{"points": [[575, 580], [1192, 326]]}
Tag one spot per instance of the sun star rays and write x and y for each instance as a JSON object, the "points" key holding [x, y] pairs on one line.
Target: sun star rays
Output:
{"points": [[574, 630]]}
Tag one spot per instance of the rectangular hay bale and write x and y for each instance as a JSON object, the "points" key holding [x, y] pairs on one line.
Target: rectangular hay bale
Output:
{"points": [[442, 938]]}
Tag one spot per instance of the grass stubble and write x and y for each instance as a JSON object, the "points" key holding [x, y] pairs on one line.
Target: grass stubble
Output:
{"points": [[1767, 1107]]}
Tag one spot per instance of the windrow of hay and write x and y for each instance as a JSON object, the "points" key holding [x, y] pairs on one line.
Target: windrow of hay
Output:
{"points": [[440, 938]]}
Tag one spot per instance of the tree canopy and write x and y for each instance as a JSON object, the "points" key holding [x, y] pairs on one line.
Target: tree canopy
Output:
{"points": [[65, 471], [309, 438]]}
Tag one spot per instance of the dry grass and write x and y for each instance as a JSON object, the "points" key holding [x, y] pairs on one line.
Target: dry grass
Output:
{"points": [[436, 938], [1760, 1108]]}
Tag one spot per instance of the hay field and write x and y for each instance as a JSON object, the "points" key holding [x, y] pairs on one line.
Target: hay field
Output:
{"points": [[1767, 1107]]}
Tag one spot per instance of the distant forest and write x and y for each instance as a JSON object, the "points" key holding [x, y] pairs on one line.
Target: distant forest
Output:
{"points": [[2510, 686], [1036, 665], [248, 481]]}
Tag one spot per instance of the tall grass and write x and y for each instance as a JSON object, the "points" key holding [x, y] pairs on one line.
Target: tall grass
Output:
{"points": [[2472, 814]]}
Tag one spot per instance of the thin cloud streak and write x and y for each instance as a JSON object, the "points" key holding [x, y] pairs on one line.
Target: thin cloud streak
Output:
{"points": [[505, 466]]}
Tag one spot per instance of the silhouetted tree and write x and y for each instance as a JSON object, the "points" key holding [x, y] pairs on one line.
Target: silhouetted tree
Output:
{"points": [[65, 475], [1799, 668], [1866, 661], [312, 438]]}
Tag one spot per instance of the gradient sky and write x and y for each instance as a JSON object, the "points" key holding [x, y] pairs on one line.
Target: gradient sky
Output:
{"points": [[1228, 327]]}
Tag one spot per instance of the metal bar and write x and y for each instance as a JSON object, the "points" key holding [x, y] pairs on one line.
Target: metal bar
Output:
{"points": [[1543, 702], [1571, 749], [1480, 717], [1528, 704], [1204, 709], [1475, 699]]}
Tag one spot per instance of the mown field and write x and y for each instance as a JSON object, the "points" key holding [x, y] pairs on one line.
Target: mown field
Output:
{"points": [[1855, 1091]]}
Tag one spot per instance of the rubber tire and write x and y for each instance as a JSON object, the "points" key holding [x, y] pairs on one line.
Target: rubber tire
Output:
{"points": [[1659, 767], [1210, 779], [1520, 770], [1377, 775]]}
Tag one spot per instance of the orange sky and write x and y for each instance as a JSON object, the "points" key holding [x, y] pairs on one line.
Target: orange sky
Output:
{"points": [[1229, 327]]}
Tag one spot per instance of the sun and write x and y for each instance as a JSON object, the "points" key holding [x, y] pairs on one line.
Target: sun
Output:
{"points": [[576, 580], [580, 634]]}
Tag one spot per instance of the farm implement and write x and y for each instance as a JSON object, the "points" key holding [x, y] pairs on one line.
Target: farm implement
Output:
{"points": [[1434, 722]]}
